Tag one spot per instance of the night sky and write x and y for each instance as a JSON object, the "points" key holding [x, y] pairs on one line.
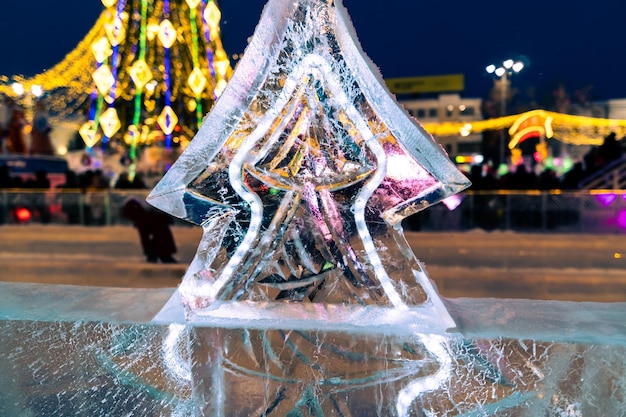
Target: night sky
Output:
{"points": [[570, 41]]}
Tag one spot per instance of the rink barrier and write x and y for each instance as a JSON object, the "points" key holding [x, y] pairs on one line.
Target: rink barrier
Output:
{"points": [[590, 211]]}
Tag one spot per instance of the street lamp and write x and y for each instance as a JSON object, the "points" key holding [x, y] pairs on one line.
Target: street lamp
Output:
{"points": [[504, 72], [18, 89], [36, 90]]}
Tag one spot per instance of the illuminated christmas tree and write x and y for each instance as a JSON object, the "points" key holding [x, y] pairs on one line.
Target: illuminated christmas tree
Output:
{"points": [[159, 66], [146, 73]]}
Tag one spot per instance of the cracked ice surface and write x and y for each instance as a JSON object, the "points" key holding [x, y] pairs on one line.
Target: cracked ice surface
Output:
{"points": [[550, 359]]}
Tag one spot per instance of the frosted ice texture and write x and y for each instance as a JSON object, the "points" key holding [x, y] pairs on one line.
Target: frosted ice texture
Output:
{"points": [[300, 176], [292, 373], [510, 358]]}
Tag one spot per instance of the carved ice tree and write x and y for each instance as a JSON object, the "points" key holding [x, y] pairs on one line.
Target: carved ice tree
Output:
{"points": [[302, 173]]}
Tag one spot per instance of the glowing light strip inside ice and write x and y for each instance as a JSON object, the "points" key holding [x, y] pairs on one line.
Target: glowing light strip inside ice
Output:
{"points": [[311, 64]]}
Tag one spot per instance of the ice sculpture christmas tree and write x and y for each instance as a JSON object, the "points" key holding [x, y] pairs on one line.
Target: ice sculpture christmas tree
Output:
{"points": [[300, 177]]}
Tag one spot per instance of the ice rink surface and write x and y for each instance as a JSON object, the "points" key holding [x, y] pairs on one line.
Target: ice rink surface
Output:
{"points": [[569, 267]]}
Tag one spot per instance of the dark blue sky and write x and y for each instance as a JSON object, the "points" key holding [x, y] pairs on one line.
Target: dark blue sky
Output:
{"points": [[577, 42]]}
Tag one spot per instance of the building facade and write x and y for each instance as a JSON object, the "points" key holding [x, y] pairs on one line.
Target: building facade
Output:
{"points": [[450, 108]]}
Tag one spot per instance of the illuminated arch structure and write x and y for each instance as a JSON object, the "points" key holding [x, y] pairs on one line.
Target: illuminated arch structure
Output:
{"points": [[570, 129], [156, 67]]}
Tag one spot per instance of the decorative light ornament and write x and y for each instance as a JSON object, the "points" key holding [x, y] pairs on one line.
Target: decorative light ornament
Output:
{"points": [[109, 3], [222, 66], [120, 23], [101, 49], [167, 33], [219, 87], [193, 3], [197, 81], [115, 31], [532, 124], [103, 78], [167, 120], [212, 15], [516, 157], [89, 133], [140, 73], [110, 122]]}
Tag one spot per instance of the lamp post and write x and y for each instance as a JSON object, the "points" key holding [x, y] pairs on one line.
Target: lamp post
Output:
{"points": [[504, 72]]}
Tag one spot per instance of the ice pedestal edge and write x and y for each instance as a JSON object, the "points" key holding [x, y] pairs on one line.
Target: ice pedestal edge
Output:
{"points": [[96, 351]]}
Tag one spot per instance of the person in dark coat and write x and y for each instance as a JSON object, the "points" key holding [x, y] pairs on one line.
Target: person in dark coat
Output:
{"points": [[157, 240]]}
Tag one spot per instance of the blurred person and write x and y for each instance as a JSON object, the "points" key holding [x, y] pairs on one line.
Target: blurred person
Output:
{"points": [[5, 116], [486, 212], [156, 238], [6, 181], [70, 204], [95, 198], [40, 135], [14, 141], [41, 180], [573, 177], [610, 150], [40, 183], [548, 180], [138, 182], [521, 179], [125, 183]]}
